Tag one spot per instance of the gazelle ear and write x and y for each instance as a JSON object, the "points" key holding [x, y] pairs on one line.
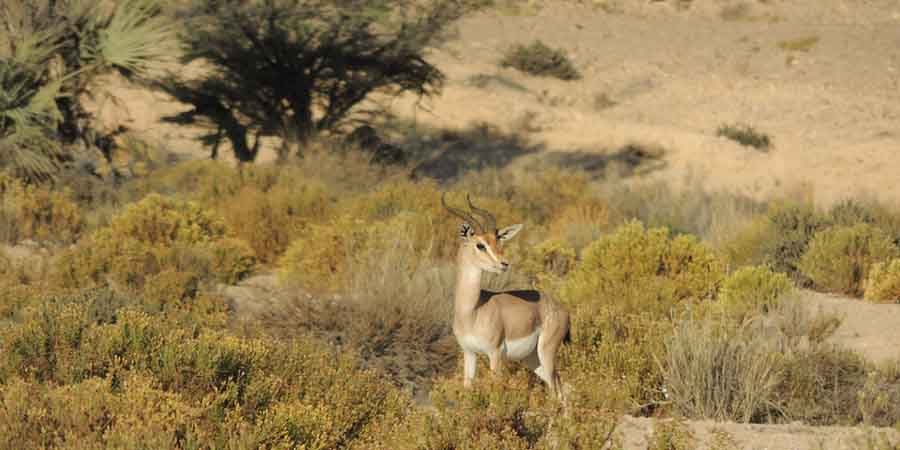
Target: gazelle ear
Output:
{"points": [[508, 232], [465, 231]]}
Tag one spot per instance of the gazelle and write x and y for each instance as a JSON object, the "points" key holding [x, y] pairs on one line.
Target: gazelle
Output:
{"points": [[514, 325]]}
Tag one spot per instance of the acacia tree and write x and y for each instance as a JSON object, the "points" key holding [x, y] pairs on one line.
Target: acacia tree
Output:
{"points": [[293, 68], [50, 53]]}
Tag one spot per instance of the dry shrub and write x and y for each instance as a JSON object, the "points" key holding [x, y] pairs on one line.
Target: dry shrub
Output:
{"points": [[883, 283], [721, 372], [690, 209], [752, 290], [672, 434], [499, 413], [394, 312], [838, 258], [540, 60], [319, 259], [270, 219], [148, 237], [820, 386], [253, 391], [37, 213], [549, 261], [579, 223]]}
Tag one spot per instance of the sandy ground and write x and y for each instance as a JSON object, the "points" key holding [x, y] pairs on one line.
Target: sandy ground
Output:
{"points": [[666, 77], [656, 75]]}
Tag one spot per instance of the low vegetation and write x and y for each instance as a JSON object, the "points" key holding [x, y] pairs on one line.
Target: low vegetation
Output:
{"points": [[540, 60], [745, 135], [130, 315]]}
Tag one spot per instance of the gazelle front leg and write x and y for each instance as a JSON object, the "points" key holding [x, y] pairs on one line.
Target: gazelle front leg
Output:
{"points": [[496, 360], [469, 362]]}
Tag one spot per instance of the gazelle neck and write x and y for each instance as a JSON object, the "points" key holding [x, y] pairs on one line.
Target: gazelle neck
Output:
{"points": [[468, 290]]}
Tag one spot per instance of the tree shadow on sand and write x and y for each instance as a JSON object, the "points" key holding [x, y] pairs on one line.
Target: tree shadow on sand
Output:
{"points": [[447, 154]]}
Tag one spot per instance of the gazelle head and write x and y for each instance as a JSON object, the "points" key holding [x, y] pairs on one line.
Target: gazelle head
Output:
{"points": [[481, 240]]}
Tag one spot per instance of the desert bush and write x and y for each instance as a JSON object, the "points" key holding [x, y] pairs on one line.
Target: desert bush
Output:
{"points": [[752, 290], [883, 282], [783, 237], [745, 135], [211, 387], [633, 259], [508, 412], [37, 213], [838, 258], [673, 434], [150, 236], [851, 212], [721, 372], [231, 260], [692, 209], [279, 95], [879, 398], [579, 223], [400, 304], [270, 220], [540, 60], [820, 386], [550, 260], [624, 294]]}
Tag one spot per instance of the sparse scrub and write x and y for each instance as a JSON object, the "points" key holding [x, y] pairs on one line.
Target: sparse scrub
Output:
{"points": [[838, 258], [820, 386], [37, 213], [721, 372], [883, 282], [672, 434], [540, 60], [745, 135], [782, 237], [502, 413], [802, 44]]}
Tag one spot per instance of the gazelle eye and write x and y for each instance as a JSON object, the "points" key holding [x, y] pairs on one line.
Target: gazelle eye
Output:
{"points": [[481, 246]]}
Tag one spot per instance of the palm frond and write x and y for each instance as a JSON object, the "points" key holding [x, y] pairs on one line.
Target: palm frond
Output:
{"points": [[137, 39]]}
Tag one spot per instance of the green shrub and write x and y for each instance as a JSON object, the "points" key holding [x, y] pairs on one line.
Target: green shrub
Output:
{"points": [[752, 290], [883, 282], [231, 260], [852, 212], [778, 238], [623, 296], [838, 258], [633, 261], [745, 135], [540, 60]]}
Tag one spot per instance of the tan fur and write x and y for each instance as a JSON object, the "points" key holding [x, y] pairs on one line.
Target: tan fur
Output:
{"points": [[496, 324]]}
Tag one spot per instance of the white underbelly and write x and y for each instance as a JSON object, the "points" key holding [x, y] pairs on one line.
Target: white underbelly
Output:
{"points": [[511, 349], [516, 349], [475, 344]]}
